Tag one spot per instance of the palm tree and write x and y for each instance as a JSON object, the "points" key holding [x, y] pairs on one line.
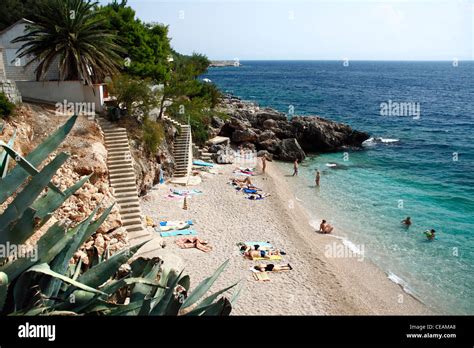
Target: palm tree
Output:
{"points": [[71, 33]]}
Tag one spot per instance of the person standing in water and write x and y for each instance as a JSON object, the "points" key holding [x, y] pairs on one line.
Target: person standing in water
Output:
{"points": [[295, 167], [264, 163], [318, 177], [407, 221]]}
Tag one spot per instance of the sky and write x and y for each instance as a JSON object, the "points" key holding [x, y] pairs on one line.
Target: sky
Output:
{"points": [[316, 29]]}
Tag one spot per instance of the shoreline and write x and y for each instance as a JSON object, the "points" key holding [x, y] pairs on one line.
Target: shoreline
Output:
{"points": [[317, 285]]}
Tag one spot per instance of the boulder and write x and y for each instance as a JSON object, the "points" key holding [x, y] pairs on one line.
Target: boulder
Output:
{"points": [[245, 135], [266, 154], [270, 123], [289, 150], [266, 135], [271, 145], [316, 134]]}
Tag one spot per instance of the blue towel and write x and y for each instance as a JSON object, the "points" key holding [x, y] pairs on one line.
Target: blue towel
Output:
{"points": [[202, 163], [178, 233], [249, 190], [165, 223], [263, 244]]}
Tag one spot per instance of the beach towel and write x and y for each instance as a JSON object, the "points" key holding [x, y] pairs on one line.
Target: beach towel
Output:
{"points": [[175, 223], [246, 190], [194, 242], [202, 163], [183, 226], [179, 233], [261, 277]]}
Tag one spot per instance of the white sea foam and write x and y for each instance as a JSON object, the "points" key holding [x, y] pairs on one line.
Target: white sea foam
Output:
{"points": [[379, 140], [397, 280]]}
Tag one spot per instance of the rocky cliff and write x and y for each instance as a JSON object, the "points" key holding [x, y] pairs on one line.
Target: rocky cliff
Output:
{"points": [[266, 129]]}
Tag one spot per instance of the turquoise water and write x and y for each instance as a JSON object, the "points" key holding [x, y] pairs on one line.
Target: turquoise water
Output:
{"points": [[426, 174]]}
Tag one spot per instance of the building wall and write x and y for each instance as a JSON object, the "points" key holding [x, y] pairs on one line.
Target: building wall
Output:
{"points": [[63, 92], [15, 68], [2, 67]]}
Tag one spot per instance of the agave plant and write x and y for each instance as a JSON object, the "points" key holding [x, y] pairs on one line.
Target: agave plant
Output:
{"points": [[48, 284]]}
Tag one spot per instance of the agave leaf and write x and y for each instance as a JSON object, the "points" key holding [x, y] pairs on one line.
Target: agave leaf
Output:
{"points": [[236, 293], [20, 230], [78, 270], [4, 159], [22, 162], [48, 246], [148, 270], [220, 308], [50, 287], [28, 195], [205, 285], [210, 299], [113, 286], [17, 175], [3, 289], [99, 274], [50, 202], [166, 301], [185, 282], [44, 269]]}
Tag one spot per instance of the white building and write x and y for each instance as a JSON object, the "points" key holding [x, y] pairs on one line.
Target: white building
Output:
{"points": [[50, 89]]}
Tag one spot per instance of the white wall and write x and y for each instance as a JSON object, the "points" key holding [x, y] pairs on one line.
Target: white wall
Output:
{"points": [[61, 91], [16, 70]]}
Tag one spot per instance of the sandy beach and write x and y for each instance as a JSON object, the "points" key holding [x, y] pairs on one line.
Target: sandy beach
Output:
{"points": [[317, 285]]}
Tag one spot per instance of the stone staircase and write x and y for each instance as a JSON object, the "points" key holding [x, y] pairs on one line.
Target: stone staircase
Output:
{"points": [[182, 149], [123, 180], [202, 153]]}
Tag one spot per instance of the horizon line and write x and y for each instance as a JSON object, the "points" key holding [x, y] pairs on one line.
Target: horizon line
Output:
{"points": [[342, 60]]}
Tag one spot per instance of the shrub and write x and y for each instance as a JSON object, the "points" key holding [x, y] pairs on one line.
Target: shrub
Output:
{"points": [[153, 135], [6, 106], [134, 95]]}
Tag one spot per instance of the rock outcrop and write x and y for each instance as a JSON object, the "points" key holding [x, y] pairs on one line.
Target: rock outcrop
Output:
{"points": [[286, 139]]}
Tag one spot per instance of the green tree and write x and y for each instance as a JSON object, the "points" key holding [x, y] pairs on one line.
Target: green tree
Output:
{"points": [[72, 33], [14, 10], [147, 46]]}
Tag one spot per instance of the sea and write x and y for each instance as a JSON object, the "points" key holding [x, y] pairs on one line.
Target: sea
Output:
{"points": [[419, 162]]}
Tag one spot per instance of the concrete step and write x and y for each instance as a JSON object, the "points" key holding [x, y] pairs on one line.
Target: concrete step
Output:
{"points": [[124, 184], [120, 163], [116, 170], [131, 222], [131, 210], [118, 147], [127, 199], [131, 215], [136, 227], [126, 206], [127, 175]]}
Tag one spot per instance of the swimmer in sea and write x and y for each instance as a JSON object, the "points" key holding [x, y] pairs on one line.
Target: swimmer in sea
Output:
{"points": [[407, 221], [430, 234]]}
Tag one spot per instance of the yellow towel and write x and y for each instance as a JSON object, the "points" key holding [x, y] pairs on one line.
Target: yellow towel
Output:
{"points": [[149, 221], [272, 257]]}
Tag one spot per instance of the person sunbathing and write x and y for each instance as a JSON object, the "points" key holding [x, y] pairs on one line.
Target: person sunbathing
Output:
{"points": [[241, 181], [325, 227], [257, 253], [272, 268], [258, 196]]}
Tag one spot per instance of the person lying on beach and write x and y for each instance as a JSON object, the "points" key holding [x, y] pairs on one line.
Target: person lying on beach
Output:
{"points": [[266, 254], [258, 196], [325, 227], [241, 181], [272, 268], [407, 221]]}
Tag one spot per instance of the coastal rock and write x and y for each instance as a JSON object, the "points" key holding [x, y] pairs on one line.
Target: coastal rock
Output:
{"points": [[266, 135], [270, 123], [289, 149], [246, 135], [318, 134]]}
